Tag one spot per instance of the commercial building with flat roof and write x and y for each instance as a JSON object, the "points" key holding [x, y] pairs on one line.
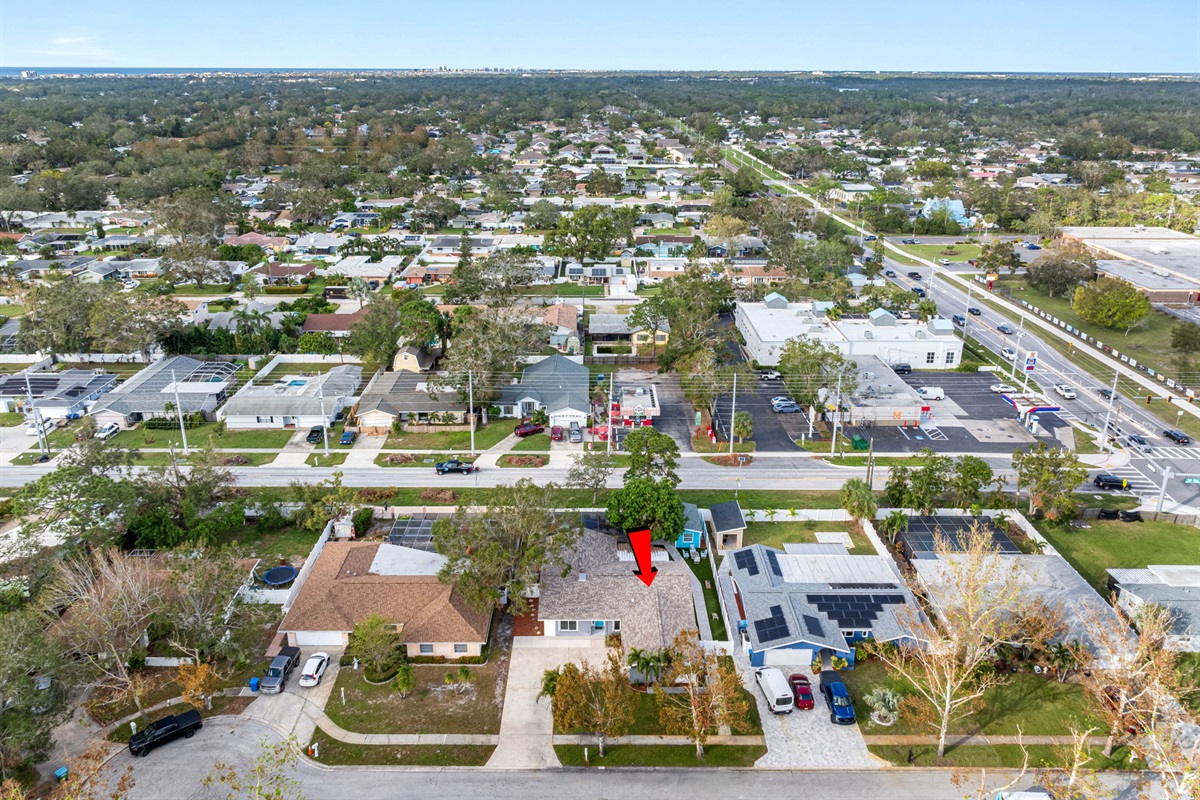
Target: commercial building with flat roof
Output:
{"points": [[1163, 263]]}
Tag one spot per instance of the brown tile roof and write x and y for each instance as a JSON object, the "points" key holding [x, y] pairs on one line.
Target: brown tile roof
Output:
{"points": [[331, 322], [341, 591], [562, 315]]}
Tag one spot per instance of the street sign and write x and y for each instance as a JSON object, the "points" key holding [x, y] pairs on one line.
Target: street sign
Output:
{"points": [[1191, 480]]}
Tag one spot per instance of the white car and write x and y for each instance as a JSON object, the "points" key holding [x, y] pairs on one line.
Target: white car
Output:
{"points": [[1009, 353], [1065, 391], [314, 668], [945, 262], [1002, 388], [108, 431], [781, 399], [904, 315]]}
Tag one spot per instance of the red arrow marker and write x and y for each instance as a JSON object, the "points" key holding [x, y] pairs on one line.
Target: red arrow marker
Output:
{"points": [[640, 542]]}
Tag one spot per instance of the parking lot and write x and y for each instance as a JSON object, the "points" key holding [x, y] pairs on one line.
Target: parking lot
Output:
{"points": [[773, 433]]}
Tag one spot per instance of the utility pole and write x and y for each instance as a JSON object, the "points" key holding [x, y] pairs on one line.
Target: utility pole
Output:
{"points": [[179, 413], [837, 403], [1168, 473], [611, 430], [1108, 412], [43, 442], [871, 462], [1016, 344], [471, 406], [732, 413], [324, 419]]}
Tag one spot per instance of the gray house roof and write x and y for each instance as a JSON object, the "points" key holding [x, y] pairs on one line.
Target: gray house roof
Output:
{"points": [[398, 393], [285, 399], [727, 517], [616, 324], [692, 521], [556, 382], [599, 585], [812, 597]]}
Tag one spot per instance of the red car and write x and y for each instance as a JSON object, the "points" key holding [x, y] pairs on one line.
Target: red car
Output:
{"points": [[528, 429], [803, 692], [556, 433]]}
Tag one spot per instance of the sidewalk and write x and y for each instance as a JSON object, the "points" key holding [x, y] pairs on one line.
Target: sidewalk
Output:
{"points": [[954, 741]]}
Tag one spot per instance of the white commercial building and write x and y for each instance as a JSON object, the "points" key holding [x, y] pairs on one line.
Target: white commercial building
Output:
{"points": [[767, 327]]}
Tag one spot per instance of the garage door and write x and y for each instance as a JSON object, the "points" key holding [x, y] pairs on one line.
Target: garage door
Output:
{"points": [[787, 657], [320, 638]]}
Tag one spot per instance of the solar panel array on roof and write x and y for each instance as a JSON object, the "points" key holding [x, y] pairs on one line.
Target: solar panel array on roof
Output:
{"points": [[746, 561], [853, 611], [773, 627], [921, 535], [813, 626], [773, 562], [415, 532]]}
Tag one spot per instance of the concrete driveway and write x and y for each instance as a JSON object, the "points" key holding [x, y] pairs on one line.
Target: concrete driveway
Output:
{"points": [[526, 726], [296, 709]]}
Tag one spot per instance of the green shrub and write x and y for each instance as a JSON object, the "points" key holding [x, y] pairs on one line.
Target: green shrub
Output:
{"points": [[285, 289], [363, 519]]}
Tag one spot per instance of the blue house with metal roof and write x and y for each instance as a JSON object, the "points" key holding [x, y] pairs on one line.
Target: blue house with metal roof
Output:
{"points": [[810, 601], [692, 535]]}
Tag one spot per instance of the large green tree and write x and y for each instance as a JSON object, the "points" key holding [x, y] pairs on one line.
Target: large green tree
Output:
{"points": [[646, 503], [811, 370], [589, 233], [1051, 475], [1111, 302], [652, 455], [1059, 270], [997, 255], [376, 336]]}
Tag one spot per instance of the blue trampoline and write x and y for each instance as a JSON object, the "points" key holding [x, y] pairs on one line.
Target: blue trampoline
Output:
{"points": [[277, 576]]}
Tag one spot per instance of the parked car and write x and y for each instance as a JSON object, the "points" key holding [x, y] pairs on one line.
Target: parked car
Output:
{"points": [[1107, 481], [781, 399], [556, 433], [314, 669], [776, 689], [1002, 388], [108, 431], [903, 315], [916, 276], [945, 262], [841, 710], [1139, 443], [910, 241], [959, 320], [974, 312], [348, 437], [528, 429], [769, 375], [315, 435], [1063, 390], [1032, 246], [164, 730], [1178, 437], [891, 273], [36, 428], [1009, 353], [575, 433], [786, 408], [870, 237], [454, 465], [1006, 329], [902, 369], [280, 670], [802, 691], [932, 392]]}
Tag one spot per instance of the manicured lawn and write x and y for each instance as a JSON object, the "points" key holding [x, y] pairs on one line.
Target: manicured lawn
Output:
{"points": [[334, 459], [934, 251], [255, 439], [290, 544], [862, 461], [538, 443], [432, 707], [712, 603], [57, 439], [485, 437], [703, 444], [420, 755], [762, 498], [774, 534], [661, 756], [11, 310], [1038, 706], [9, 368], [997, 755], [563, 290], [680, 231], [10, 418], [1132, 545], [160, 458]]}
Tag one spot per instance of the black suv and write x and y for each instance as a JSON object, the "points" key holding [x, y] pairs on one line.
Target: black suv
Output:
{"points": [[902, 369], [165, 730], [1178, 437], [315, 435], [1106, 481]]}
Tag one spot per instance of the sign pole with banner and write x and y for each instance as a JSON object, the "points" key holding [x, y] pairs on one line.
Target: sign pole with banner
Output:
{"points": [[1030, 363]]}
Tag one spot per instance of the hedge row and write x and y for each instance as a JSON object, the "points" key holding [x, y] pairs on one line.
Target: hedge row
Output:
{"points": [[285, 289]]}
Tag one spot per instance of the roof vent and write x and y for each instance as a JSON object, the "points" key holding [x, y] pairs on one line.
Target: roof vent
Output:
{"points": [[868, 335], [582, 577]]}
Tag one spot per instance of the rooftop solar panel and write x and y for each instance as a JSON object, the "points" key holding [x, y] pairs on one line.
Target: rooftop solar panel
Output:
{"points": [[746, 561], [813, 626], [774, 627], [773, 562]]}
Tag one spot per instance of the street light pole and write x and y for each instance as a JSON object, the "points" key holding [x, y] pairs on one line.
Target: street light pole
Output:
{"points": [[471, 406], [732, 413], [324, 419], [179, 413], [43, 442], [837, 403], [1168, 473], [1016, 344], [1108, 412]]}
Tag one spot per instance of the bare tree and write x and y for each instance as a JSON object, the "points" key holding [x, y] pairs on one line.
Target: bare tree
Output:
{"points": [[106, 601], [711, 693]]}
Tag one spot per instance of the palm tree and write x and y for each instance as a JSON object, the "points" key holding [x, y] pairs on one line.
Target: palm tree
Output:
{"points": [[894, 524], [833, 313], [360, 290], [1064, 658]]}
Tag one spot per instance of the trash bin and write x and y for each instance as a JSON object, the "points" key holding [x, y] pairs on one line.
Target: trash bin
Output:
{"points": [[61, 774], [859, 443], [254, 684]]}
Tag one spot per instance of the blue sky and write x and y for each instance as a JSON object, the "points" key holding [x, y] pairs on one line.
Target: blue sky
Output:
{"points": [[1047, 35]]}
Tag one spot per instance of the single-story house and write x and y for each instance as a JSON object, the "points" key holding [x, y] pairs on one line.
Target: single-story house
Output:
{"points": [[259, 239], [563, 321], [407, 397], [363, 267], [337, 325], [607, 330], [322, 244], [954, 207], [601, 595], [57, 395], [692, 535], [275, 274], [294, 401], [556, 384], [812, 600], [728, 525], [182, 382], [1175, 587], [352, 580]]}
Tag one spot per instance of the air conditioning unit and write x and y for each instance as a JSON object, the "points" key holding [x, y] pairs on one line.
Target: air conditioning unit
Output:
{"points": [[919, 334]]}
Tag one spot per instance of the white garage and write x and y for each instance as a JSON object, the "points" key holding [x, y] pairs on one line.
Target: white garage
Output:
{"points": [[788, 657], [317, 638]]}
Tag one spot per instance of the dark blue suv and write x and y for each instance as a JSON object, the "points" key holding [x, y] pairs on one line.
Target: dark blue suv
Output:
{"points": [[841, 710]]}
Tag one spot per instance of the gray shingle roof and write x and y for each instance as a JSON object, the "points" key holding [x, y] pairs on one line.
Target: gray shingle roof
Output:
{"points": [[557, 382], [727, 517], [339, 383], [145, 393], [406, 393]]}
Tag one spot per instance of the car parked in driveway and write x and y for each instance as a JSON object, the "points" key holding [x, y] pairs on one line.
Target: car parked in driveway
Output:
{"points": [[556, 433], [1178, 437], [314, 669], [1002, 388], [528, 429], [108, 431], [802, 691], [280, 669], [575, 433], [348, 438], [315, 435], [776, 690], [1062, 390], [837, 698], [1006, 329], [786, 408]]}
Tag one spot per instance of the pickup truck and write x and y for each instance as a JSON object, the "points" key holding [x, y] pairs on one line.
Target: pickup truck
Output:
{"points": [[454, 465], [165, 730], [281, 667]]}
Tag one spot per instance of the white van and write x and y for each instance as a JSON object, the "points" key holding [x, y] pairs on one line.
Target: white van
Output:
{"points": [[34, 428], [932, 392], [776, 689]]}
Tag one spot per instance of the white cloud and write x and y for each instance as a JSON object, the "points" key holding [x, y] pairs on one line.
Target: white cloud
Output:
{"points": [[85, 47]]}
